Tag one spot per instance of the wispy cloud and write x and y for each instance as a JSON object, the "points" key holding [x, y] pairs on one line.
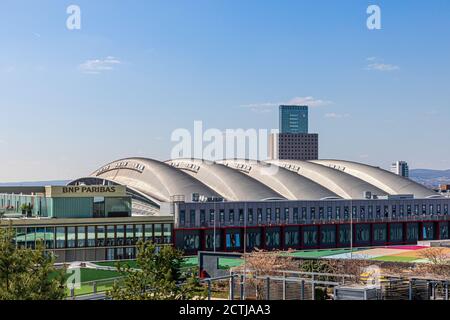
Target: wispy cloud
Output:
{"points": [[376, 64], [97, 66], [301, 101], [333, 115]]}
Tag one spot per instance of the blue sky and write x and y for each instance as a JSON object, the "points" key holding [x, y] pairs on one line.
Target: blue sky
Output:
{"points": [[137, 70]]}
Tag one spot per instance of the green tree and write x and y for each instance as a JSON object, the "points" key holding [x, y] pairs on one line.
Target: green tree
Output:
{"points": [[27, 274], [158, 276]]}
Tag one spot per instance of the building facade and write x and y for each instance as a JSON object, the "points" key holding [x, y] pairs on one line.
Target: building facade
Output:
{"points": [[284, 225], [80, 223], [293, 119], [400, 168], [294, 142], [298, 146]]}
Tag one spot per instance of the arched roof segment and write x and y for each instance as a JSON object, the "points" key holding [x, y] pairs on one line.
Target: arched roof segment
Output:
{"points": [[289, 184], [234, 185], [344, 185], [157, 179], [385, 180]]}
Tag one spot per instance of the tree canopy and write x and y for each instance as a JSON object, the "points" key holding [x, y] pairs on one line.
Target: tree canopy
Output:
{"points": [[28, 274], [158, 276]]}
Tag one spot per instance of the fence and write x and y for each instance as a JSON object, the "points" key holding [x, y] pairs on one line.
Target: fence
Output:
{"points": [[294, 285]]}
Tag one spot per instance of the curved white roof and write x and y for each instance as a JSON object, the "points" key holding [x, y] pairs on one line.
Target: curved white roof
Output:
{"points": [[389, 182], [245, 180], [156, 179], [233, 184], [289, 184], [344, 185]]}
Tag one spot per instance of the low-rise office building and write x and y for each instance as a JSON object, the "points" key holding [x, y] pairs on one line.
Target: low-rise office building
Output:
{"points": [[80, 223]]}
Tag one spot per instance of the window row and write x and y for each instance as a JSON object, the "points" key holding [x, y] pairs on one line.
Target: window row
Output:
{"points": [[93, 236], [283, 215]]}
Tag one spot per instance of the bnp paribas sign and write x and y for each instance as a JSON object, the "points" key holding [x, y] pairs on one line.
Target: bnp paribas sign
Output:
{"points": [[85, 191]]}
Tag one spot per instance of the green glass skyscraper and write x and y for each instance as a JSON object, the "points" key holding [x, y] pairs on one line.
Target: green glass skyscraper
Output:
{"points": [[293, 119]]}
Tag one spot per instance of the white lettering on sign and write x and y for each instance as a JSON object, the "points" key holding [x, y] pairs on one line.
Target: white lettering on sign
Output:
{"points": [[89, 189]]}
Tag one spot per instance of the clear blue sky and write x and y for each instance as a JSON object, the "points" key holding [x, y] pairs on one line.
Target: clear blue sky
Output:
{"points": [[71, 101]]}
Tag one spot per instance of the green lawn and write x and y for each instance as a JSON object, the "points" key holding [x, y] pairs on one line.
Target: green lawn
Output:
{"points": [[227, 263], [319, 253], [394, 259]]}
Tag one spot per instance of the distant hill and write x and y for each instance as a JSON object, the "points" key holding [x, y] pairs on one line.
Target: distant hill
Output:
{"points": [[430, 178], [35, 183]]}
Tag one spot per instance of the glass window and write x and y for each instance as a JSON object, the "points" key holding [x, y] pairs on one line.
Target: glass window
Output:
{"points": [[241, 216], [120, 235], [129, 234], [295, 215], [394, 211], [71, 237], [21, 235], [424, 209], [138, 232], [321, 213], [362, 234], [250, 215], [402, 210], [91, 236], [148, 232], [260, 215], [338, 212], [277, 215], [100, 233], [110, 236], [212, 216], [118, 207], [209, 240], [269, 215], [60, 237], [386, 211], [40, 235], [167, 228], [99, 207], [50, 237], [130, 253], [304, 213], [370, 212], [446, 209], [354, 212], [416, 209], [192, 217], [408, 210], [158, 233], [202, 216], [31, 238], [182, 217], [346, 212], [231, 216], [222, 216], [286, 215], [330, 213], [312, 213], [378, 212], [81, 236]]}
